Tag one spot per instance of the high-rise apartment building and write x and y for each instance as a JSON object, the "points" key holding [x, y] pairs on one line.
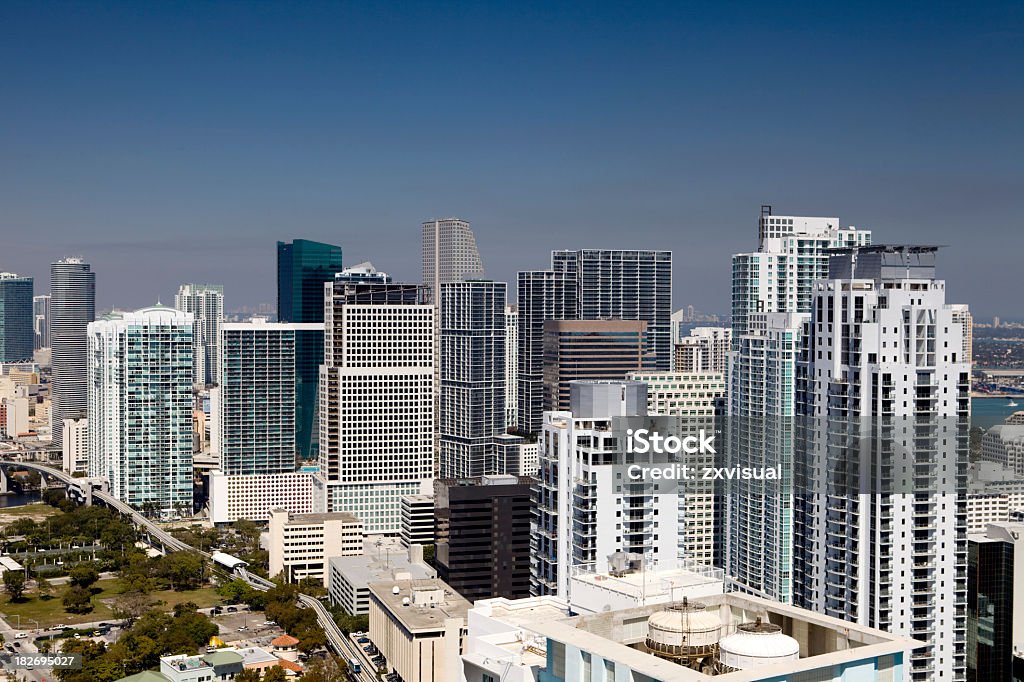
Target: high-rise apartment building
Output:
{"points": [[140, 408], [511, 365], [16, 320], [591, 350], [757, 520], [449, 254], [483, 535], [303, 267], [377, 418], [206, 304], [585, 513], [590, 284], [706, 349], [962, 316], [72, 308], [472, 407], [793, 253], [75, 449], [884, 397], [258, 396], [41, 320]]}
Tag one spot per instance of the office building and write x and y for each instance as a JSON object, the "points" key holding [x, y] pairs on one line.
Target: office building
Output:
{"points": [[1003, 444], [883, 379], [417, 520], [706, 349], [793, 253], [75, 447], [472, 406], [17, 328], [140, 408], [16, 423], [303, 267], [734, 636], [418, 626], [591, 350], [377, 419], [483, 535], [257, 400], [995, 602], [449, 254], [585, 512], [72, 308], [206, 303], [253, 496], [695, 396], [300, 545], [41, 320], [590, 284], [351, 576], [511, 365]]}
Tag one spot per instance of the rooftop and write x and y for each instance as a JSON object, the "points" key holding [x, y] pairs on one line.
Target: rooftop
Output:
{"points": [[420, 605], [380, 563], [310, 519]]}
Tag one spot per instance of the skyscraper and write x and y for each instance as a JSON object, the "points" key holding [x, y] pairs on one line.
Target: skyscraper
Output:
{"points": [[303, 267], [706, 349], [884, 394], [449, 254], [206, 303], [258, 396], [140, 408], [72, 308], [591, 350], [590, 284], [472, 408], [41, 323], [16, 322], [792, 254], [377, 418], [511, 365]]}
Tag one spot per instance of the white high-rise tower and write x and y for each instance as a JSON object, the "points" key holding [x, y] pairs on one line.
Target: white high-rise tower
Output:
{"points": [[449, 254], [206, 303]]}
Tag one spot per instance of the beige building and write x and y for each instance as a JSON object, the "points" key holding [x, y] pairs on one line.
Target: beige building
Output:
{"points": [[302, 544], [419, 626], [75, 446], [683, 394]]}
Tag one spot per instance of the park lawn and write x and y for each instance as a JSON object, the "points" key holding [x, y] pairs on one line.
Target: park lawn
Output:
{"points": [[34, 511], [50, 612]]}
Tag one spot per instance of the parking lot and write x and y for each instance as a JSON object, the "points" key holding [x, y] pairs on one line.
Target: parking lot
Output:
{"points": [[255, 633]]}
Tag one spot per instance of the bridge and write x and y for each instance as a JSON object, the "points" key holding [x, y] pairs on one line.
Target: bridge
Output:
{"points": [[91, 490]]}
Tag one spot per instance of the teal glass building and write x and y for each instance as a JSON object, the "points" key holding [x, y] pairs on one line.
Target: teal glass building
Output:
{"points": [[302, 268], [17, 334]]}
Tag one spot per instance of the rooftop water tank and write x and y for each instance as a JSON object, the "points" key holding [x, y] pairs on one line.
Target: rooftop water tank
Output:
{"points": [[755, 644]]}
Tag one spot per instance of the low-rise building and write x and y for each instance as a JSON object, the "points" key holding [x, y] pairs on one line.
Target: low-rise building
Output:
{"points": [[417, 520], [253, 496], [419, 627], [350, 576], [731, 637], [302, 544], [222, 664]]}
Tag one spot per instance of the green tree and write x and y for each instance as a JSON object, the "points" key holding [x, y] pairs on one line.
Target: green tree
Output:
{"points": [[248, 675], [14, 584], [84, 575], [181, 570], [235, 591], [77, 600], [275, 674], [43, 587], [329, 668]]}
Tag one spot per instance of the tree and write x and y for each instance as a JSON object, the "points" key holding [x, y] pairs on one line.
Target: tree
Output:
{"points": [[248, 675], [43, 587], [181, 570], [129, 606], [329, 668], [235, 591], [83, 575], [14, 583], [275, 674], [77, 600]]}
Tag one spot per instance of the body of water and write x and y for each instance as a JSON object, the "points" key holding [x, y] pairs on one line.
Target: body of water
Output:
{"points": [[986, 412], [17, 500]]}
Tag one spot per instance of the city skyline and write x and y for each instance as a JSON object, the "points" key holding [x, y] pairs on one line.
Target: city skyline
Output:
{"points": [[669, 141]]}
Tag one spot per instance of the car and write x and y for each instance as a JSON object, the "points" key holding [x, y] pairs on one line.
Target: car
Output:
{"points": [[363, 640], [59, 627], [232, 609], [17, 645], [21, 635], [242, 629], [97, 633], [103, 625], [269, 622]]}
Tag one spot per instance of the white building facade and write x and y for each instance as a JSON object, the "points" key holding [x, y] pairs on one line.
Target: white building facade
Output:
{"points": [[206, 304]]}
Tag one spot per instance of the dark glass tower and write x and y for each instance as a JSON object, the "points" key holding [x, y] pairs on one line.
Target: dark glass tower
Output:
{"points": [[302, 268], [72, 308], [17, 334], [990, 603]]}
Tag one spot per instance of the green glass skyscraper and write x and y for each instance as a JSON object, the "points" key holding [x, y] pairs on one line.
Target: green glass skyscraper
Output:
{"points": [[16, 330], [302, 268]]}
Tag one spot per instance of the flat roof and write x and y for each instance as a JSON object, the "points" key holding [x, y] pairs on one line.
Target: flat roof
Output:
{"points": [[305, 519], [418, 618], [652, 584], [378, 565]]}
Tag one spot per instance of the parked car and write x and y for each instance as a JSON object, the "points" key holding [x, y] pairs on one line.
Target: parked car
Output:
{"points": [[363, 640]]}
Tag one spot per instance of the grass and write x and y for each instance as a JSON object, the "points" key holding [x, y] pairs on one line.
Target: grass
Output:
{"points": [[50, 611], [34, 510]]}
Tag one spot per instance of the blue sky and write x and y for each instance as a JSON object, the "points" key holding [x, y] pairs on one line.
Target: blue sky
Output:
{"points": [[177, 142]]}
